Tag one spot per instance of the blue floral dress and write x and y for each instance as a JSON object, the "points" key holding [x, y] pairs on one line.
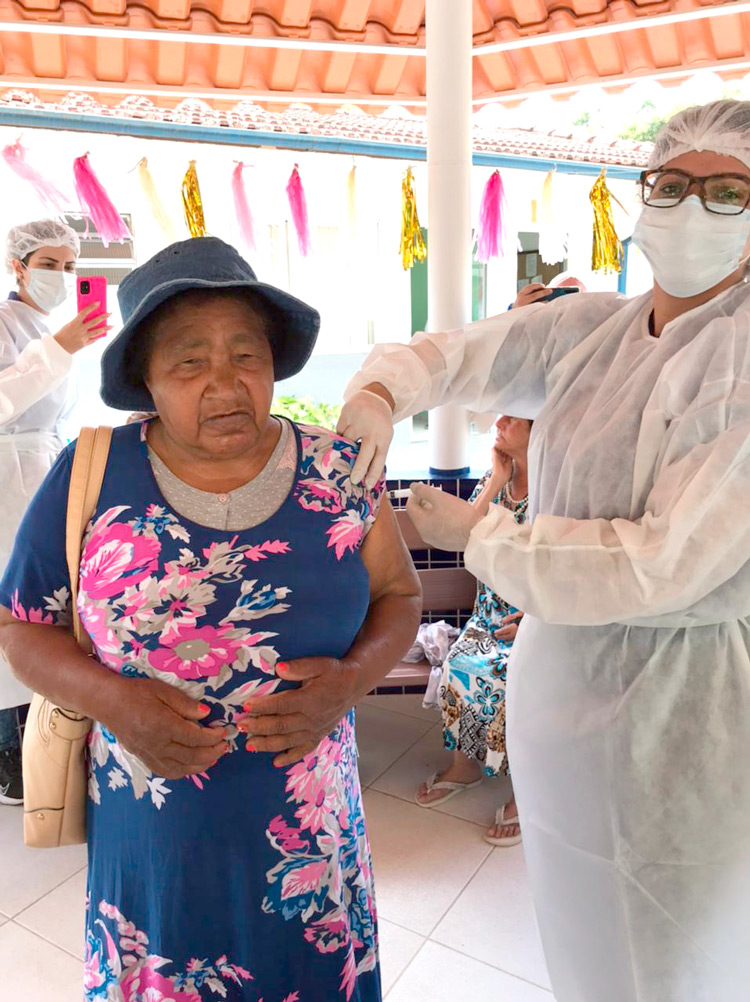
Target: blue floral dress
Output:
{"points": [[245, 882], [472, 688]]}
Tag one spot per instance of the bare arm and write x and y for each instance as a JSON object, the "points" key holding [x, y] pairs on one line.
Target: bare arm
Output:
{"points": [[155, 721], [48, 660], [487, 495], [395, 603]]}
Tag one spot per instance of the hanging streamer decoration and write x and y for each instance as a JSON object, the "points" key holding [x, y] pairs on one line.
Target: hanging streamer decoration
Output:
{"points": [[298, 205], [51, 198], [97, 205], [553, 240], [193, 203], [351, 203], [607, 252], [412, 247], [491, 233], [154, 202], [242, 207]]}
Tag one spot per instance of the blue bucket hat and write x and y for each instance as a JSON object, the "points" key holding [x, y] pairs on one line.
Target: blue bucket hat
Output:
{"points": [[199, 263]]}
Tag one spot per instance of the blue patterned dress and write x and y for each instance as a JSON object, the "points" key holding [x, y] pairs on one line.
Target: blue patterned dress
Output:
{"points": [[247, 882], [472, 688]]}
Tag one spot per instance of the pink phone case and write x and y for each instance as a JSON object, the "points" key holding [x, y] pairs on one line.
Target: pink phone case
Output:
{"points": [[90, 291]]}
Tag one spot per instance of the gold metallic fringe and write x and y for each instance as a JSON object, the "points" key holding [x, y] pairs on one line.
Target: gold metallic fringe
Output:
{"points": [[607, 254], [191, 198], [412, 247]]}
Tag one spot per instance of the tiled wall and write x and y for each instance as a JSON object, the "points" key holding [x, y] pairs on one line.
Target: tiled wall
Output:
{"points": [[428, 559]]}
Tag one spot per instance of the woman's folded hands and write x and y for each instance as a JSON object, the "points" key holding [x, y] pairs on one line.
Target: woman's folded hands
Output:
{"points": [[292, 723], [161, 725]]}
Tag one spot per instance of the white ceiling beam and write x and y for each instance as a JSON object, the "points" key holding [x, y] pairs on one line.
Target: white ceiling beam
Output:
{"points": [[184, 37]]}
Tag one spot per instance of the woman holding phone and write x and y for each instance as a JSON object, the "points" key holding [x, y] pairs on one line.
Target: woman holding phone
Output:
{"points": [[37, 394]]}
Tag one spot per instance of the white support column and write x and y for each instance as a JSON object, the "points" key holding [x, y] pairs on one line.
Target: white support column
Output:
{"points": [[449, 149]]}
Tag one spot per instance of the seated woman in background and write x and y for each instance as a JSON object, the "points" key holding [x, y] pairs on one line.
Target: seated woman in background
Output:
{"points": [[472, 691], [242, 595]]}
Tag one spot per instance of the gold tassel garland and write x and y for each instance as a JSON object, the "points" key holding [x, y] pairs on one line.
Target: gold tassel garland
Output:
{"points": [[412, 248], [155, 204], [191, 198], [607, 254]]}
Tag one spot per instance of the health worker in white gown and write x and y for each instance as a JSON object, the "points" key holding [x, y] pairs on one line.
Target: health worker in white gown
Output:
{"points": [[629, 683], [37, 391]]}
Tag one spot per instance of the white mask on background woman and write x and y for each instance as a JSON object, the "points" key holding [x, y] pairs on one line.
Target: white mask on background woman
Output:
{"points": [[49, 289], [689, 249]]}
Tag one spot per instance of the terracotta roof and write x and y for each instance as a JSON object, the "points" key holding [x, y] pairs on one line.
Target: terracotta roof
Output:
{"points": [[366, 51], [394, 127]]}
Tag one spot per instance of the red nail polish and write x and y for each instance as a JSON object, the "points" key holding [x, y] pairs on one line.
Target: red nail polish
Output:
{"points": [[204, 709], [250, 748], [282, 666]]}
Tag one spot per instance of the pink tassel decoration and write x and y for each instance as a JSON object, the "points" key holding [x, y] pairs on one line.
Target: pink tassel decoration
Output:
{"points": [[491, 235], [96, 204], [51, 198], [298, 205], [242, 208]]}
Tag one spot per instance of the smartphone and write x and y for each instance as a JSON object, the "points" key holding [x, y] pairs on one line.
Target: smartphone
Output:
{"points": [[556, 293], [90, 291]]}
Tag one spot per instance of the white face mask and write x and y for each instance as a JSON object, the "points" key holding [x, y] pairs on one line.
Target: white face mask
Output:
{"points": [[689, 249], [49, 289]]}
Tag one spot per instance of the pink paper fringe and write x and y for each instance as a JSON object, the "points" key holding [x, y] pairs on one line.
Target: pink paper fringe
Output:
{"points": [[492, 233], [51, 198], [298, 205], [96, 204], [242, 208]]}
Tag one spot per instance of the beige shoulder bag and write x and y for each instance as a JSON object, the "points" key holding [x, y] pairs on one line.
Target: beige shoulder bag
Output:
{"points": [[55, 780]]}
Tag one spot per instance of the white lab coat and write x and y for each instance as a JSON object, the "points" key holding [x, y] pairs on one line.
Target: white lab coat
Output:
{"points": [[629, 684], [36, 396]]}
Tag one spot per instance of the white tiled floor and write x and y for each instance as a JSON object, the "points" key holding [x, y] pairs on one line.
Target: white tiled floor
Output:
{"points": [[456, 919]]}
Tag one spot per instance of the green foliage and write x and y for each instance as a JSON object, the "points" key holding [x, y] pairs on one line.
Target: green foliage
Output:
{"points": [[305, 410], [649, 119], [644, 131]]}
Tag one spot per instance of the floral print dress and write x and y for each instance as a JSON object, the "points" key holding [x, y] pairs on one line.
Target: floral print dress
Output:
{"points": [[245, 883], [472, 688]]}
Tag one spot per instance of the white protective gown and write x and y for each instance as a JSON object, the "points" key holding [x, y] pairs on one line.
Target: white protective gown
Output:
{"points": [[629, 683], [36, 396]]}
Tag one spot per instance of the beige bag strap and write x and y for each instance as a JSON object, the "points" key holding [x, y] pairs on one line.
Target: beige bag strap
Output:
{"points": [[87, 475]]}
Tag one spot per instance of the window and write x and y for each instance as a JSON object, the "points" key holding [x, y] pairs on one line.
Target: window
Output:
{"points": [[113, 262]]}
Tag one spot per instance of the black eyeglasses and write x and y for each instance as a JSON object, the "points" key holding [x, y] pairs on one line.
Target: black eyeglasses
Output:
{"points": [[724, 194]]}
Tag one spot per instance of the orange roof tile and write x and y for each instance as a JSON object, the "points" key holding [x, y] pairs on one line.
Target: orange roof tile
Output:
{"points": [[577, 146], [365, 51]]}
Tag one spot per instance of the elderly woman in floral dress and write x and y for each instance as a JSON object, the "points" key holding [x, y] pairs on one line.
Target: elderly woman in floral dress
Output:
{"points": [[242, 595], [474, 680]]}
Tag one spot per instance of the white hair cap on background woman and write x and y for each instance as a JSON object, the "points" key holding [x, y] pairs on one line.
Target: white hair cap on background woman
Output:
{"points": [[29, 237], [721, 127]]}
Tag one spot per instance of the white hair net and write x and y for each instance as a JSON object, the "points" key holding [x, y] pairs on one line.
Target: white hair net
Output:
{"points": [[29, 237], [722, 127]]}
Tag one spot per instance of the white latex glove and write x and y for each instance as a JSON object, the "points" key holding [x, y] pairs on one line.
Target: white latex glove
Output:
{"points": [[368, 419], [442, 519]]}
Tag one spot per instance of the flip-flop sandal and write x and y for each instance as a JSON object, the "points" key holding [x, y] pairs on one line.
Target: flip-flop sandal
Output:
{"points": [[451, 790], [504, 841]]}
